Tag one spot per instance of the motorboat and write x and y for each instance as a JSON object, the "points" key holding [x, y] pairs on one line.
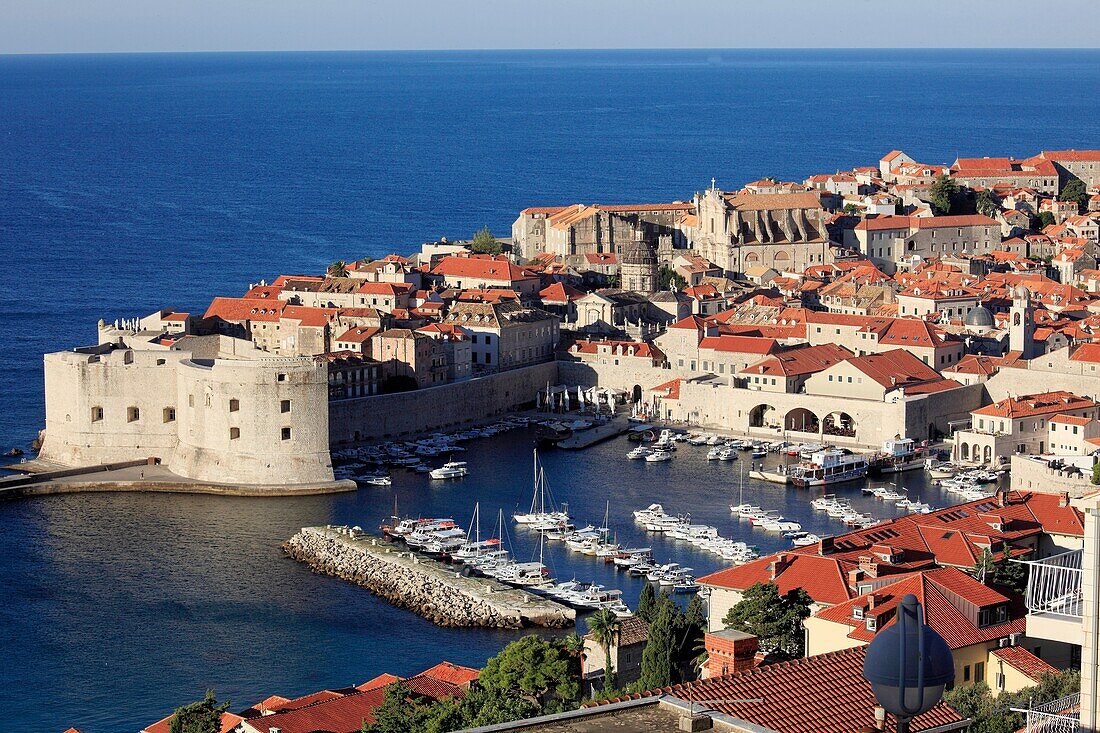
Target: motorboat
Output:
{"points": [[450, 470], [639, 452], [658, 456], [828, 466], [378, 481], [714, 454]]}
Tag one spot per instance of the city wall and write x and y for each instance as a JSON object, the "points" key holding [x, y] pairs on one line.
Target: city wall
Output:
{"points": [[437, 408]]}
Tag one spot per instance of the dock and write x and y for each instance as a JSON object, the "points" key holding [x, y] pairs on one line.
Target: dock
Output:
{"points": [[440, 593], [595, 434]]}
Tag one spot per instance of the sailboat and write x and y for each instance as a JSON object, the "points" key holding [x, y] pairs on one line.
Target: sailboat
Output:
{"points": [[474, 547], [541, 512], [741, 507]]}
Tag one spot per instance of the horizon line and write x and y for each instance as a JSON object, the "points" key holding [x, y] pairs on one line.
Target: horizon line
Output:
{"points": [[165, 52]]}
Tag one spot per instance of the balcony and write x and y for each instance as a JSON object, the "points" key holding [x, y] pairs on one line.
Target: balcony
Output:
{"points": [[1057, 716], [1054, 598]]}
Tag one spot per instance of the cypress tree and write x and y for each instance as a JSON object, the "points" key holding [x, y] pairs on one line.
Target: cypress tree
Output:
{"points": [[647, 601], [657, 656]]}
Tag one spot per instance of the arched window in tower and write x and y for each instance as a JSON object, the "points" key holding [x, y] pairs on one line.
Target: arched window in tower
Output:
{"points": [[1015, 319]]}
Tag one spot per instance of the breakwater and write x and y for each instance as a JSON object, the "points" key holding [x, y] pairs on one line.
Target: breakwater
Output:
{"points": [[436, 591]]}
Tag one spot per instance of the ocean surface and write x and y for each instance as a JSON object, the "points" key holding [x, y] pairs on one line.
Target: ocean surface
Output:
{"points": [[134, 182]]}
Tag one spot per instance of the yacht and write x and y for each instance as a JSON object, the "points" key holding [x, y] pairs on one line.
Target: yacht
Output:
{"points": [[658, 456], [639, 452], [378, 481], [542, 509], [828, 466], [450, 470]]}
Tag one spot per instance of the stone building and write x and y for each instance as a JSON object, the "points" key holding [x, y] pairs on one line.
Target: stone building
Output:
{"points": [[598, 228], [1083, 164], [210, 408], [784, 231], [896, 243], [506, 335], [638, 265], [626, 649], [403, 352], [1035, 173]]}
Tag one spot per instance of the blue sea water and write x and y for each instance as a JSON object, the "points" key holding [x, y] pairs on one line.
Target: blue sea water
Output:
{"points": [[129, 183]]}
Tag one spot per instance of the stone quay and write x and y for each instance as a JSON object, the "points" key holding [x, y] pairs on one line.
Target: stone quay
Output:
{"points": [[434, 590]]}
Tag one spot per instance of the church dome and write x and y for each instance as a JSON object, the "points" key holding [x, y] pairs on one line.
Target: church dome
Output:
{"points": [[1021, 293], [638, 252], [979, 317]]}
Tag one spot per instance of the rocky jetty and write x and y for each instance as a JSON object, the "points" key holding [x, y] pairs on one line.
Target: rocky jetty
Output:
{"points": [[436, 591]]}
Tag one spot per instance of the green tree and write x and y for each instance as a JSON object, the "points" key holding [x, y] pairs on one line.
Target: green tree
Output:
{"points": [[647, 601], [1003, 573], [604, 625], [339, 268], [657, 657], [1043, 220], [491, 707], [775, 619], [1096, 473], [942, 194], [204, 716], [852, 209], [696, 614], [994, 714], [484, 243], [1075, 191], [669, 279], [533, 669], [985, 204]]}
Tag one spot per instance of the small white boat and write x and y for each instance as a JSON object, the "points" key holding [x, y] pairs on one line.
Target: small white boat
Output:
{"points": [[450, 470], [378, 481], [658, 456], [637, 453]]}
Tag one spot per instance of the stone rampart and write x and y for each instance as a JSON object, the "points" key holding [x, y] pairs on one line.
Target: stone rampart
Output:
{"points": [[433, 590], [437, 408]]}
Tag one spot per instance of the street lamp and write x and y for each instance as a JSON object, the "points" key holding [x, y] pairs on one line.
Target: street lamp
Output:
{"points": [[908, 665]]}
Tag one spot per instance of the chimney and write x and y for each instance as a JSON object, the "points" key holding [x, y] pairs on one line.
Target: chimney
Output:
{"points": [[854, 576], [778, 565], [868, 565], [825, 546], [874, 600], [1063, 499], [880, 717]]}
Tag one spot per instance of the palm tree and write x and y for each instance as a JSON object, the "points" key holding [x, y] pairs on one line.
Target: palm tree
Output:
{"points": [[702, 656], [604, 626], [339, 268]]}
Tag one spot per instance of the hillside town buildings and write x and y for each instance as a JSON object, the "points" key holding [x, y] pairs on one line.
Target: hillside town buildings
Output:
{"points": [[844, 308]]}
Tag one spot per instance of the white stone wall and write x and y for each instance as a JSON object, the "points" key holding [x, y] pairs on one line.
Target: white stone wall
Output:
{"points": [[135, 390], [248, 445]]}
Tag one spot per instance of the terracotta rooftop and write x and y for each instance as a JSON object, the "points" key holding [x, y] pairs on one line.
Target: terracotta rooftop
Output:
{"points": [[1021, 659], [826, 692], [1043, 403]]}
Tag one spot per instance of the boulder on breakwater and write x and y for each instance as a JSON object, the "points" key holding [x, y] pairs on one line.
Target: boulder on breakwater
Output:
{"points": [[436, 591]]}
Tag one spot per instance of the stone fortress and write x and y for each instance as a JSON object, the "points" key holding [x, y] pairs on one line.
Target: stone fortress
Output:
{"points": [[211, 410]]}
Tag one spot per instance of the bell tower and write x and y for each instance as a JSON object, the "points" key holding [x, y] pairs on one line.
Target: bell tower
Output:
{"points": [[1021, 331]]}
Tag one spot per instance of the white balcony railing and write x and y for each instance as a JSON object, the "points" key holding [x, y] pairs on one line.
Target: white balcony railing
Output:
{"points": [[1058, 716], [1054, 585]]}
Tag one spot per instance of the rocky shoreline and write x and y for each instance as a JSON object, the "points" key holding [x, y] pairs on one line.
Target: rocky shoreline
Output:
{"points": [[436, 591]]}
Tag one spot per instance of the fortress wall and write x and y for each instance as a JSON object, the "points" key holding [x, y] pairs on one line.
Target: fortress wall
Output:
{"points": [[78, 383], [247, 445], [437, 408]]}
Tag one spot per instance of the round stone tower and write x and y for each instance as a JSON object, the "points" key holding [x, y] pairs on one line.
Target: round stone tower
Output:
{"points": [[638, 265]]}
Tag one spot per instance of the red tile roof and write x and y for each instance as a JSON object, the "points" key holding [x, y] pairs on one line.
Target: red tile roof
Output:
{"points": [[795, 362], [229, 721], [314, 317], [390, 289], [1036, 404], [1072, 155], [484, 267], [895, 368], [559, 293], [944, 593], [740, 344], [344, 714], [236, 310], [451, 673], [1021, 659], [670, 390], [947, 537], [826, 692], [380, 681]]}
